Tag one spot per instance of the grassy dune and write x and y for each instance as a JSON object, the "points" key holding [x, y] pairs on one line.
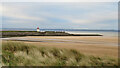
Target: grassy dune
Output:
{"points": [[21, 54]]}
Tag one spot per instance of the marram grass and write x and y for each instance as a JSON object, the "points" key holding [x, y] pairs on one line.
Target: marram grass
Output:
{"points": [[21, 54]]}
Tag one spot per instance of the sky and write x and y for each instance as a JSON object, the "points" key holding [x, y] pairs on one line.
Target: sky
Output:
{"points": [[59, 0], [81, 15]]}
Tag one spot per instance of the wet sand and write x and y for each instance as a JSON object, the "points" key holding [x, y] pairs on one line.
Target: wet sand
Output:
{"points": [[98, 46]]}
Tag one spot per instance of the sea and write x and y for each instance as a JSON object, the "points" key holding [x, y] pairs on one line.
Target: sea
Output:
{"points": [[113, 33]]}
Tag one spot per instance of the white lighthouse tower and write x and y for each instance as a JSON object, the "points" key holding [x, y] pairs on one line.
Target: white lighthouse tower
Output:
{"points": [[38, 30]]}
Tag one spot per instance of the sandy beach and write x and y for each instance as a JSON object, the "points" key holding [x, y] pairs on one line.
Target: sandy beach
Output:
{"points": [[98, 46]]}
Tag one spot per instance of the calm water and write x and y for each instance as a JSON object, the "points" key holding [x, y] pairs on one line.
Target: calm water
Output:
{"points": [[74, 31], [104, 33]]}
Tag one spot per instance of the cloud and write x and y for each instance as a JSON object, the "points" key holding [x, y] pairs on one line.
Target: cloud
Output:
{"points": [[18, 13], [81, 12], [59, 0], [61, 15], [95, 17]]}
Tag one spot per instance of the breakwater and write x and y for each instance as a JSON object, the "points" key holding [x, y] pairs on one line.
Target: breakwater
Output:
{"points": [[46, 33]]}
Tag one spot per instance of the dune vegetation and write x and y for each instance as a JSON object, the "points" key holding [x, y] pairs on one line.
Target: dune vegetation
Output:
{"points": [[21, 54]]}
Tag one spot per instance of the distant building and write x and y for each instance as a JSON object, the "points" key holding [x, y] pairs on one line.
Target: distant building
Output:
{"points": [[38, 30]]}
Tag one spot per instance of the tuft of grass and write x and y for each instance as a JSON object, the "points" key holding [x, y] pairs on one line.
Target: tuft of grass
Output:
{"points": [[21, 54]]}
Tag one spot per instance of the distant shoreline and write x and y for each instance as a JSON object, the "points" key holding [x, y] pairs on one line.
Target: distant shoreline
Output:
{"points": [[32, 29], [45, 33]]}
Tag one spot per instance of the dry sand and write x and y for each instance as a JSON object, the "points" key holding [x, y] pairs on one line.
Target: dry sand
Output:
{"points": [[98, 46], [94, 45]]}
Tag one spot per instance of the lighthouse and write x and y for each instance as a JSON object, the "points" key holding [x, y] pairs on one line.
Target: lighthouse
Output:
{"points": [[38, 30]]}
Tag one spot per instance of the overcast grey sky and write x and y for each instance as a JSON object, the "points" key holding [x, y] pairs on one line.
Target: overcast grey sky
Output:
{"points": [[89, 15]]}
